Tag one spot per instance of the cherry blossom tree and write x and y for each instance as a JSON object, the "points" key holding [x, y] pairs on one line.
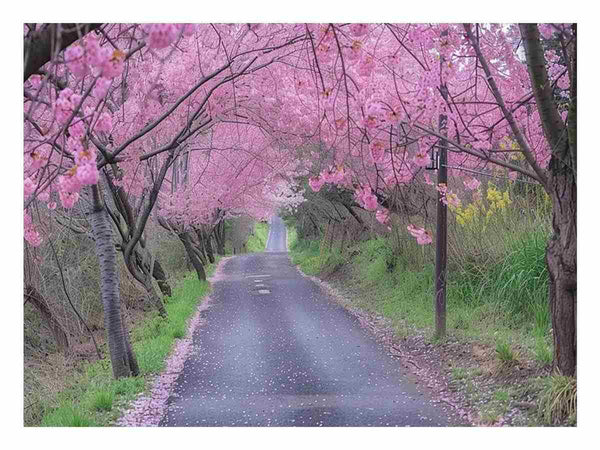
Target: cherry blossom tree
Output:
{"points": [[126, 101], [389, 94], [194, 124]]}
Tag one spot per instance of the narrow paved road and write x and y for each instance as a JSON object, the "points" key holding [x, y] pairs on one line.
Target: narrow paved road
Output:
{"points": [[275, 351]]}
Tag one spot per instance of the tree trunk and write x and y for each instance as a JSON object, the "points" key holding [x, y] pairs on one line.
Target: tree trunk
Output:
{"points": [[109, 285], [209, 249], [198, 247], [219, 233], [206, 245], [561, 256], [141, 273], [161, 278], [60, 336], [133, 364], [561, 185], [192, 255]]}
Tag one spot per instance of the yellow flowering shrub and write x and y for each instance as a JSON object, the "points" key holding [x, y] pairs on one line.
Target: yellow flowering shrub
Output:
{"points": [[474, 213]]}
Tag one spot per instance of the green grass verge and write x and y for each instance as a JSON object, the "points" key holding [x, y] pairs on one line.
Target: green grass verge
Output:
{"points": [[94, 398], [257, 241], [505, 302]]}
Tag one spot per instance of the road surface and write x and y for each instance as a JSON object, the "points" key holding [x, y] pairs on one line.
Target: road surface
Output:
{"points": [[276, 351]]}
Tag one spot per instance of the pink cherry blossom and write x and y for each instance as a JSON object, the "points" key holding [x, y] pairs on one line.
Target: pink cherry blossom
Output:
{"points": [[316, 183], [366, 66], [104, 123], [366, 198], [87, 174], [113, 65], [93, 51], [76, 61], [101, 87], [423, 236], [382, 215], [68, 199], [359, 29], [377, 151], [29, 187], [160, 35], [471, 183]]}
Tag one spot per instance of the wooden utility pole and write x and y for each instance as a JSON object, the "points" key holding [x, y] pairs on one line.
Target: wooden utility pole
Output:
{"points": [[441, 245], [441, 241]]}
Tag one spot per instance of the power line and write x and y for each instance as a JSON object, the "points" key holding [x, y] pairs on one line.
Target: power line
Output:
{"points": [[489, 175]]}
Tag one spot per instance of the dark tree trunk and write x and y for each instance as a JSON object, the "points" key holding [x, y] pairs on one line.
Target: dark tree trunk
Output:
{"points": [[137, 268], [219, 233], [133, 364], [561, 256], [58, 332], [198, 246], [161, 278], [193, 256], [561, 185], [141, 273], [206, 244], [209, 250]]}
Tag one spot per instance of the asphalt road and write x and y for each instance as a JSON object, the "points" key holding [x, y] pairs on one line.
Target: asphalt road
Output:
{"points": [[275, 351]]}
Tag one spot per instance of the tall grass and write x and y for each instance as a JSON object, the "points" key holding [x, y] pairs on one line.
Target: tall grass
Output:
{"points": [[497, 282], [92, 397], [558, 400]]}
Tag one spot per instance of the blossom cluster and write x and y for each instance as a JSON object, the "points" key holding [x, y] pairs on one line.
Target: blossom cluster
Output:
{"points": [[423, 236]]}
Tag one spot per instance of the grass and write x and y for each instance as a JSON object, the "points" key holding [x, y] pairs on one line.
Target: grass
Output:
{"points": [[92, 397], [508, 298], [257, 241], [558, 400], [505, 353], [306, 254]]}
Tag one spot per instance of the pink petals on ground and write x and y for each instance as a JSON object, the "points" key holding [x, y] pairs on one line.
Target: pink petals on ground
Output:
{"points": [[148, 410]]}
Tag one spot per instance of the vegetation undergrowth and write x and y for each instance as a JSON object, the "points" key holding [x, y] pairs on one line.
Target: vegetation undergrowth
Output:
{"points": [[93, 397], [257, 241], [558, 400]]}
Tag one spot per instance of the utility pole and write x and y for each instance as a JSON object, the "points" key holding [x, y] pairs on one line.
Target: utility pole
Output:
{"points": [[441, 241]]}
